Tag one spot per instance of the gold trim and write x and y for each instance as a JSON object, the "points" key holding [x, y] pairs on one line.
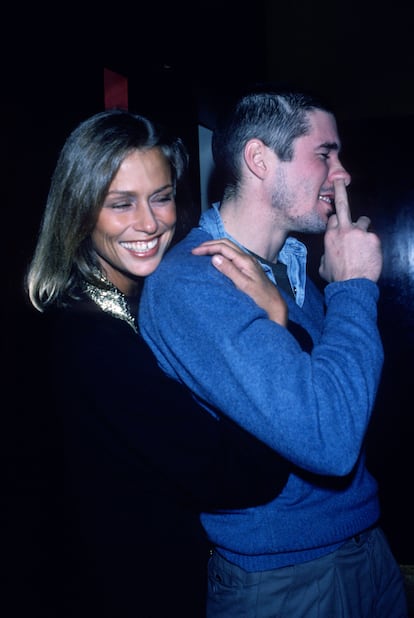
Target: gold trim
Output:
{"points": [[111, 300]]}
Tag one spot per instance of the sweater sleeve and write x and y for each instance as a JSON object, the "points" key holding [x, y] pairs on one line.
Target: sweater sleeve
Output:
{"points": [[312, 408]]}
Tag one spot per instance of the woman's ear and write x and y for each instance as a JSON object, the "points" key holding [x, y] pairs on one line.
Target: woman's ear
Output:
{"points": [[255, 157]]}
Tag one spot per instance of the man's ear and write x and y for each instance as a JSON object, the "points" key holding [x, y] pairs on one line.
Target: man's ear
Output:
{"points": [[255, 157]]}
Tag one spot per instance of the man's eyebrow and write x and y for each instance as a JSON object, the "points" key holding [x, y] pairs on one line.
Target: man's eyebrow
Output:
{"points": [[330, 146]]}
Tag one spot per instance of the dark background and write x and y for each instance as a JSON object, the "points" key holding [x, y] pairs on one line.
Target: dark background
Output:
{"points": [[181, 65]]}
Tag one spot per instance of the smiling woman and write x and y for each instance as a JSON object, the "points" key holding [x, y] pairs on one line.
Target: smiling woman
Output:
{"points": [[132, 169], [141, 458], [136, 223]]}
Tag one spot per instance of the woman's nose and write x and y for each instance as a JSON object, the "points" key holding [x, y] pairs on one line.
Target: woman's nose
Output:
{"points": [[145, 220]]}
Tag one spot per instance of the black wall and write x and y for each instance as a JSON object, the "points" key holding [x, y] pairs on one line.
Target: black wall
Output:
{"points": [[179, 66]]}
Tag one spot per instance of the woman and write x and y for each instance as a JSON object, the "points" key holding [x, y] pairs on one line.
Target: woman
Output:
{"points": [[141, 458]]}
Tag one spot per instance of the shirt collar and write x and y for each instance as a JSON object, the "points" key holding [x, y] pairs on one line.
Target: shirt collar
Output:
{"points": [[293, 252]]}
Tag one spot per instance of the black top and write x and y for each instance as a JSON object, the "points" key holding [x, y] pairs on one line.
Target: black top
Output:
{"points": [[141, 459]]}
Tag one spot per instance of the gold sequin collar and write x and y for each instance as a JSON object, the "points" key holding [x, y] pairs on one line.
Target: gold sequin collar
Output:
{"points": [[111, 300]]}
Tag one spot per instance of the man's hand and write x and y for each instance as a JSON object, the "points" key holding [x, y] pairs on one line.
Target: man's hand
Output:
{"points": [[247, 275], [351, 251]]}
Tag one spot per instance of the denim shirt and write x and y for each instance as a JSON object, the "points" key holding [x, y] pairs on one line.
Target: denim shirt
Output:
{"points": [[293, 253]]}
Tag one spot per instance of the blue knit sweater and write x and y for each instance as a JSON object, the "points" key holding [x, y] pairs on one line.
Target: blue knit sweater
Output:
{"points": [[313, 408]]}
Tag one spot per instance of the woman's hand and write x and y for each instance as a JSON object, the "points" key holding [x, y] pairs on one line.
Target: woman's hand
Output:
{"points": [[247, 274]]}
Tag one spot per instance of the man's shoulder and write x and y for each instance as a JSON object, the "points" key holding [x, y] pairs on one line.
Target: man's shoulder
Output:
{"points": [[180, 254], [195, 236]]}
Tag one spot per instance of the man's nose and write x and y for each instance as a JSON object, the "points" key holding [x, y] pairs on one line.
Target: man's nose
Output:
{"points": [[338, 172]]}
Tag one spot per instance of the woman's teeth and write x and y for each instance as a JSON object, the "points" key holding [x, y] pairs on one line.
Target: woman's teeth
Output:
{"points": [[140, 246]]}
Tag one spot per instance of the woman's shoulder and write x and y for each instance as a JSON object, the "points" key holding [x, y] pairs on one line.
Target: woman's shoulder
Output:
{"points": [[86, 341], [83, 324]]}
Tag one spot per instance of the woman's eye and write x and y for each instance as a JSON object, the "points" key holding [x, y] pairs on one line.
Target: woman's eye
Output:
{"points": [[163, 198], [120, 205]]}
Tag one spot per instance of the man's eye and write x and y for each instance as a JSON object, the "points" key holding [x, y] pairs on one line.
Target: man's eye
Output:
{"points": [[324, 155]]}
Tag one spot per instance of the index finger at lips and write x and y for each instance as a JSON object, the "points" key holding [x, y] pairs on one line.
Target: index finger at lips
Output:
{"points": [[341, 203]]}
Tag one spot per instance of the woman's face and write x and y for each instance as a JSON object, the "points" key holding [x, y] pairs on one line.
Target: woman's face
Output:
{"points": [[137, 220]]}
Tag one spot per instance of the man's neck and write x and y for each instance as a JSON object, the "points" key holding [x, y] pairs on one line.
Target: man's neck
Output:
{"points": [[251, 227]]}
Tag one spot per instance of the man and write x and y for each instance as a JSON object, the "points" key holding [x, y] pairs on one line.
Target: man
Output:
{"points": [[307, 391]]}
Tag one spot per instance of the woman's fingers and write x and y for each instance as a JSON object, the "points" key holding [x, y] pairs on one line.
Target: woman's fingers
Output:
{"points": [[247, 275], [224, 246]]}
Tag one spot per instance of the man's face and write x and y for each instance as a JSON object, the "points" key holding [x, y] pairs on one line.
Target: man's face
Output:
{"points": [[303, 188]]}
